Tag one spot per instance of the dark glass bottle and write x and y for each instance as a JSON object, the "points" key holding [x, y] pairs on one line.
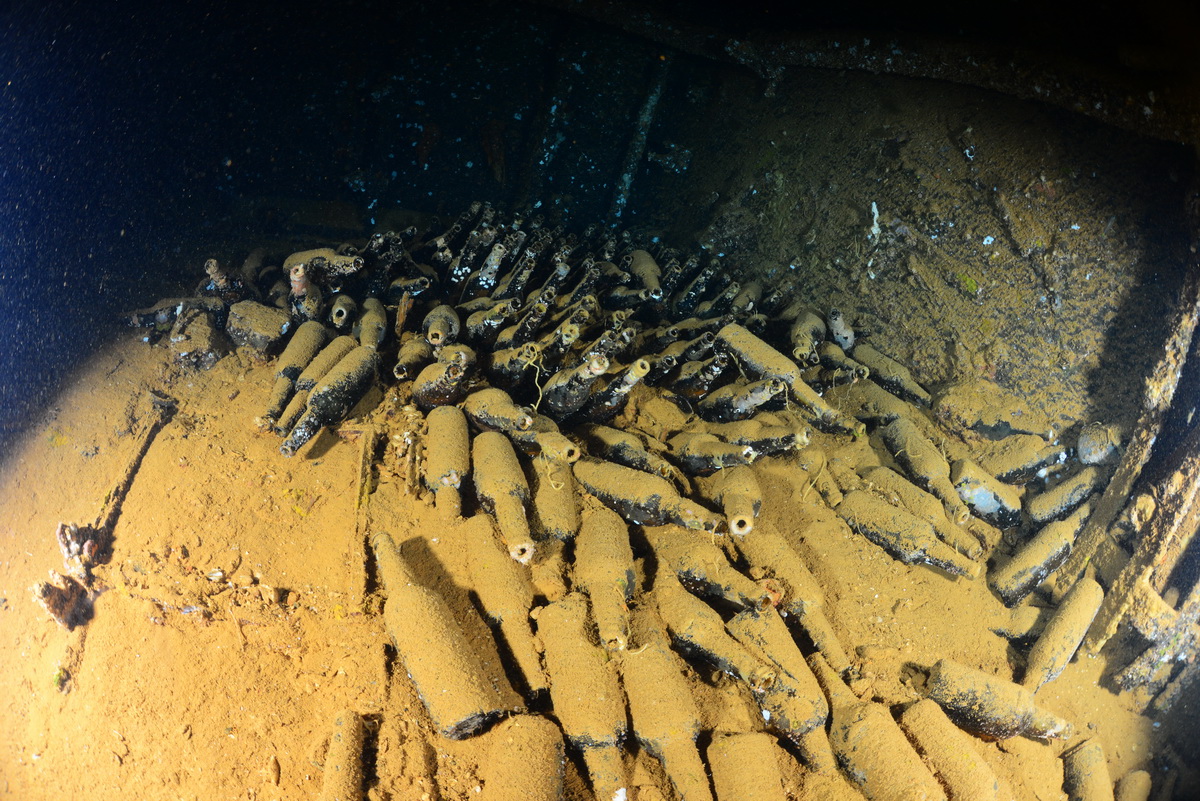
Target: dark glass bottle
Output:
{"points": [[334, 396]]}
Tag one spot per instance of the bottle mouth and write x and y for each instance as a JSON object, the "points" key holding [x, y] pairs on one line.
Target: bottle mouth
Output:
{"points": [[522, 552], [741, 525]]}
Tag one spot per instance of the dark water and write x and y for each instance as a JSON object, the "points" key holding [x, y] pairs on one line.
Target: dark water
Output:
{"points": [[140, 138], [138, 141]]}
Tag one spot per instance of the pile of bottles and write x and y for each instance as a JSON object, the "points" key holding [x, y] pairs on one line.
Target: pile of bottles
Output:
{"points": [[529, 349]]}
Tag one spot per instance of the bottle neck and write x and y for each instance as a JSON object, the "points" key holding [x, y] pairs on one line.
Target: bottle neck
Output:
{"points": [[839, 694], [308, 426]]}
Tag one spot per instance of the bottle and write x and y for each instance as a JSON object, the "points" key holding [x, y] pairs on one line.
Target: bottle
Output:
{"points": [[461, 266], [552, 287], [1134, 786], [1038, 558], [567, 390], [414, 354], [688, 298], [1098, 443], [817, 755], [462, 691], [653, 340], [512, 286], [334, 396], [765, 438], [624, 297], [744, 765], [586, 285], [985, 704], [1085, 772], [447, 456], [891, 375], [554, 345], [613, 343], [905, 536], [229, 289], [738, 401], [1061, 638], [544, 439], [305, 300], [765, 634], [461, 355], [696, 378], [505, 597], [736, 491], [703, 568], [767, 552], [439, 384], [925, 465], [693, 349], [952, 753], [321, 364], [301, 349], [508, 367], [554, 512], [758, 361], [524, 330], [665, 718], [606, 404], [641, 497], [503, 491], [411, 286], [526, 746], [342, 776], [645, 269], [831, 356], [625, 448], [746, 300], [492, 408], [483, 325], [1058, 501], [291, 414], [812, 461], [1019, 458], [701, 454], [899, 491], [441, 325], [585, 691], [757, 324], [483, 280], [330, 265], [697, 629], [696, 326], [871, 403], [720, 304], [604, 570], [372, 326], [661, 366], [806, 331], [673, 273], [342, 312], [870, 745], [665, 361], [840, 330]]}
